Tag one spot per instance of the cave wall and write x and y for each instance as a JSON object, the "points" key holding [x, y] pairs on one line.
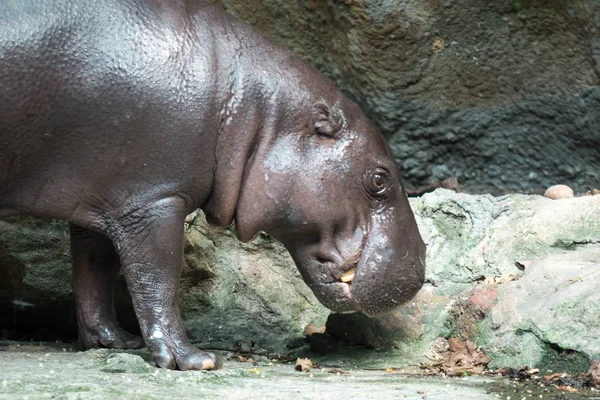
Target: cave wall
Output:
{"points": [[503, 94]]}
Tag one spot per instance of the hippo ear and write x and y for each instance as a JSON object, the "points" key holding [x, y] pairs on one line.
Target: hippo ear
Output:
{"points": [[328, 121]]}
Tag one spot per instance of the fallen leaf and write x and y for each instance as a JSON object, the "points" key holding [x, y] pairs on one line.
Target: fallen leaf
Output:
{"points": [[310, 329], [303, 364], [462, 358], [554, 376]]}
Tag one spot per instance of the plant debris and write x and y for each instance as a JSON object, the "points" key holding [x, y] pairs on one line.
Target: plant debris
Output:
{"points": [[523, 265], [438, 45], [255, 370], [498, 280], [569, 389], [461, 358], [310, 329], [304, 364], [560, 381], [338, 371], [521, 374]]}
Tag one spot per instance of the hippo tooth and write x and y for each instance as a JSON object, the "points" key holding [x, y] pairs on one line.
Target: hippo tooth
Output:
{"points": [[348, 276]]}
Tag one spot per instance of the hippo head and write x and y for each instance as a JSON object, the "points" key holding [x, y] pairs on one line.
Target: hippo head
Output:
{"points": [[327, 187]]}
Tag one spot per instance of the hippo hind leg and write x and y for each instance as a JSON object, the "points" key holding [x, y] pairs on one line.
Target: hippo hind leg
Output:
{"points": [[95, 267]]}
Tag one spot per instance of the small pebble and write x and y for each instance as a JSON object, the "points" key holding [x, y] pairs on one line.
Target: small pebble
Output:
{"points": [[559, 192]]}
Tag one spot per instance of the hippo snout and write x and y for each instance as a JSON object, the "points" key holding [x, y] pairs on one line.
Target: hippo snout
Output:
{"points": [[390, 272], [378, 292]]}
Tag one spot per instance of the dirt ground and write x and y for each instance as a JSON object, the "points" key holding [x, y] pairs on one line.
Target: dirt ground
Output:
{"points": [[56, 371]]}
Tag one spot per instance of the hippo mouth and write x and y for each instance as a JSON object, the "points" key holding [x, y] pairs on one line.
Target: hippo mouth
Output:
{"points": [[373, 282], [337, 294]]}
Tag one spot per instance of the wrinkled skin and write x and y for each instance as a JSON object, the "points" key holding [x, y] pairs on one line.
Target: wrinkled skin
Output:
{"points": [[122, 117]]}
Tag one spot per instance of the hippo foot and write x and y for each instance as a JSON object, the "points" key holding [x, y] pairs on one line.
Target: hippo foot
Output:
{"points": [[184, 357], [109, 337]]}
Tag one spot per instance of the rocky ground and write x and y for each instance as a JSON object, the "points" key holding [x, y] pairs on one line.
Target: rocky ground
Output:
{"points": [[511, 283], [34, 371]]}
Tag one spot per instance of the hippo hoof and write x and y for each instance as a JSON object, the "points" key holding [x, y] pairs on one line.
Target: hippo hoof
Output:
{"points": [[184, 359], [111, 338]]}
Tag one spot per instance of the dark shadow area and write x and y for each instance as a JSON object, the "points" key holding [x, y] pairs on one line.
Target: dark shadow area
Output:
{"points": [[24, 320]]}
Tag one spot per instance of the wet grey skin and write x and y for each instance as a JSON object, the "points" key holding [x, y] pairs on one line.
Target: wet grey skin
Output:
{"points": [[121, 117]]}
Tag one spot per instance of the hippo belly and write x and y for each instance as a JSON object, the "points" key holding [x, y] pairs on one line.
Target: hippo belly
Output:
{"points": [[89, 122]]}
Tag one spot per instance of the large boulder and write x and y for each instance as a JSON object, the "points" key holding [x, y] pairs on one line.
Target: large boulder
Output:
{"points": [[516, 274], [477, 248], [246, 297], [549, 317], [234, 296], [502, 94]]}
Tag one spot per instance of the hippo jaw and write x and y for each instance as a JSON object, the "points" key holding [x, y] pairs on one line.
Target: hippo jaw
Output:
{"points": [[334, 289], [385, 272]]}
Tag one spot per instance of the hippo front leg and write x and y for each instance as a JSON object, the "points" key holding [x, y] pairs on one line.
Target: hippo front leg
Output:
{"points": [[95, 267], [150, 245]]}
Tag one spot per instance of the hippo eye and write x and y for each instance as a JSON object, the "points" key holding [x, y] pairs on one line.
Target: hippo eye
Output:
{"points": [[378, 182]]}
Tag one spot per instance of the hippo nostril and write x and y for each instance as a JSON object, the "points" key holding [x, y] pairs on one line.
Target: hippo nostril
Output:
{"points": [[327, 257]]}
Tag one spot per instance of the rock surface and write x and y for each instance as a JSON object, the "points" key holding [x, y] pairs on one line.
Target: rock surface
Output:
{"points": [[550, 316], [247, 297], [533, 318], [504, 95], [234, 296], [39, 372], [250, 297]]}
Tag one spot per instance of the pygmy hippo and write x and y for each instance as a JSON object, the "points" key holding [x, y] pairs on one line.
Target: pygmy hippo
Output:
{"points": [[123, 116]]}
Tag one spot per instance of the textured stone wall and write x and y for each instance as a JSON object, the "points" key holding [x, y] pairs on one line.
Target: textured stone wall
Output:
{"points": [[503, 94]]}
